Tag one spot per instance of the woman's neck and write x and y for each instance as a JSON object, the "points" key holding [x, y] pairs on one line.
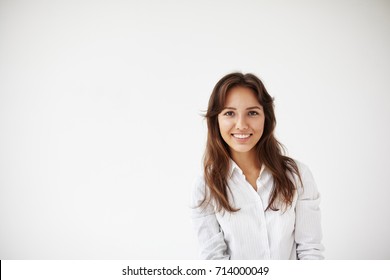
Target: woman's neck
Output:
{"points": [[248, 162]]}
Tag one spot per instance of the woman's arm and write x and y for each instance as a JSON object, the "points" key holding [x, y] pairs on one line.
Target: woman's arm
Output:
{"points": [[210, 236], [308, 232]]}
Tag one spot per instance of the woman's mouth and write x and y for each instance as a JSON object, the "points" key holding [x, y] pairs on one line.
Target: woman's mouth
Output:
{"points": [[241, 136]]}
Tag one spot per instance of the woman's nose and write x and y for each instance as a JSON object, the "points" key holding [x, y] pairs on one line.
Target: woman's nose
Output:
{"points": [[241, 123]]}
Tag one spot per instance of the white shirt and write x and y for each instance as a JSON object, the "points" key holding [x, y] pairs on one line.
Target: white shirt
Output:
{"points": [[252, 232]]}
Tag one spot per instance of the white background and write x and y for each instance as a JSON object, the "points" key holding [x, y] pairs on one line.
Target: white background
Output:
{"points": [[101, 131]]}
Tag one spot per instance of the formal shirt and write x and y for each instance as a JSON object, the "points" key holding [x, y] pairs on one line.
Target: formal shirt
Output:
{"points": [[254, 232]]}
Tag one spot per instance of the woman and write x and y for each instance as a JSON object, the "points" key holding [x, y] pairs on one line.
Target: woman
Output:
{"points": [[252, 202]]}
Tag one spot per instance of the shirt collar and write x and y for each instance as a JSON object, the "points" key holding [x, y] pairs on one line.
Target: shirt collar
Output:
{"points": [[234, 166]]}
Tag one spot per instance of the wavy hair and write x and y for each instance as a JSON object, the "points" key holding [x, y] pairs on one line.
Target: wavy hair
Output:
{"points": [[269, 151]]}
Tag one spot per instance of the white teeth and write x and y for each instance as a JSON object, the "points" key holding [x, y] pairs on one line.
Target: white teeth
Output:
{"points": [[241, 136]]}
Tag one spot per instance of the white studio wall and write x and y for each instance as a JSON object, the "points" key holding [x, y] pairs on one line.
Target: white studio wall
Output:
{"points": [[101, 131]]}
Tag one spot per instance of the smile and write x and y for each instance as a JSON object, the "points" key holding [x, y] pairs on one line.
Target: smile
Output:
{"points": [[241, 136]]}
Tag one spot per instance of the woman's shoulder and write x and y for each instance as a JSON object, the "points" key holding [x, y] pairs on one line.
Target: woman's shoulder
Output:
{"points": [[198, 186], [302, 167], [198, 181], [309, 186]]}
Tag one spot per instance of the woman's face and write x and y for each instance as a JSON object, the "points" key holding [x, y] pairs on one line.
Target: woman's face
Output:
{"points": [[241, 122]]}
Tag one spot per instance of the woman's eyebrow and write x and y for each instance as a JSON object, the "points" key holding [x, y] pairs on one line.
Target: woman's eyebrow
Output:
{"points": [[249, 108]]}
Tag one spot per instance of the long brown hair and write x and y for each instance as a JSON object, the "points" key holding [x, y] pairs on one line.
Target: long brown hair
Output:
{"points": [[269, 150]]}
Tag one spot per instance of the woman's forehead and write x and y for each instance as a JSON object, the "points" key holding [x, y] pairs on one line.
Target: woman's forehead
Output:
{"points": [[241, 96]]}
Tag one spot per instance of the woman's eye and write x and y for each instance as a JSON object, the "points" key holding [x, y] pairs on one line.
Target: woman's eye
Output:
{"points": [[253, 113], [229, 113]]}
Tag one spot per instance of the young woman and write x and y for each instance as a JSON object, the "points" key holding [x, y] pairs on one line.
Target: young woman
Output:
{"points": [[252, 202]]}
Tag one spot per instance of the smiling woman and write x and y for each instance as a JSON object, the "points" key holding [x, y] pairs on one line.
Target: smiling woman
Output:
{"points": [[252, 202], [242, 126]]}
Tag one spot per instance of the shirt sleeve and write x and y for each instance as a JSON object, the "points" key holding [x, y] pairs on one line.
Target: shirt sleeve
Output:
{"points": [[209, 233], [308, 232]]}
